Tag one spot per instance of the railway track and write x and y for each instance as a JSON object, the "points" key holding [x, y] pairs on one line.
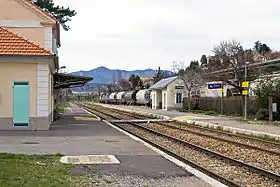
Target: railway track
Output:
{"points": [[108, 114], [226, 168], [252, 142]]}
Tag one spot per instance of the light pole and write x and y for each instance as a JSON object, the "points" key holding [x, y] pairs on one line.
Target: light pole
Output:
{"points": [[62, 67]]}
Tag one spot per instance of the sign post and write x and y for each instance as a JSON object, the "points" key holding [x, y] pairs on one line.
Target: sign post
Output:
{"points": [[222, 99], [270, 108], [245, 84]]}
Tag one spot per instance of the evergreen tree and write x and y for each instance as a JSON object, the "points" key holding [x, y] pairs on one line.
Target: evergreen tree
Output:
{"points": [[159, 75], [133, 81], [261, 48], [63, 15], [140, 84], [203, 61], [194, 65]]}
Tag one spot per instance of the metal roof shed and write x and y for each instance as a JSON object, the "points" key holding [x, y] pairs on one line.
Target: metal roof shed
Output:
{"points": [[163, 83]]}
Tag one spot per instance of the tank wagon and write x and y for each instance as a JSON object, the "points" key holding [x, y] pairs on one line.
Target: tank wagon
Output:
{"points": [[106, 98], [130, 97], [134, 97], [143, 97], [101, 97], [120, 97], [113, 98]]}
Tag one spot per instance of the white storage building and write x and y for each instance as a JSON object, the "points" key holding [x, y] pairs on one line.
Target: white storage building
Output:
{"points": [[167, 94]]}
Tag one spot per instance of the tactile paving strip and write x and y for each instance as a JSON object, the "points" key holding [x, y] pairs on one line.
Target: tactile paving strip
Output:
{"points": [[90, 159]]}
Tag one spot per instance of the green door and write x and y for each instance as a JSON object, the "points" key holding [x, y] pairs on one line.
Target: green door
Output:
{"points": [[21, 104]]}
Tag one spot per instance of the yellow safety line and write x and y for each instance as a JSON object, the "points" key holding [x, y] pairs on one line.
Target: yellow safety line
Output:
{"points": [[184, 117], [85, 118]]}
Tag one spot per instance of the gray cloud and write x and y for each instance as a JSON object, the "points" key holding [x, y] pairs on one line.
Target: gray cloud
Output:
{"points": [[150, 33]]}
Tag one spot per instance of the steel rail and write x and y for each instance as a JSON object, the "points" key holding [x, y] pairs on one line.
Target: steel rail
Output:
{"points": [[200, 168], [217, 138], [265, 172], [218, 177], [215, 131]]}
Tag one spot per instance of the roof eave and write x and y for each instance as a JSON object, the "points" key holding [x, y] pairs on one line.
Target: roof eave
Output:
{"points": [[27, 56], [39, 11]]}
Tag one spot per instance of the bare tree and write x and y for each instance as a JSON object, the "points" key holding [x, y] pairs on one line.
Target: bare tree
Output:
{"points": [[231, 55], [124, 84], [193, 80], [176, 66]]}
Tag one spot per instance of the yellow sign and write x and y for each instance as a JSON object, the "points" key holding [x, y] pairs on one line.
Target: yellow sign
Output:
{"points": [[221, 90], [245, 84], [245, 92]]}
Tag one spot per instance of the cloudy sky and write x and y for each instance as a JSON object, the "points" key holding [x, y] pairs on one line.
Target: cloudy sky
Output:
{"points": [[139, 34]]}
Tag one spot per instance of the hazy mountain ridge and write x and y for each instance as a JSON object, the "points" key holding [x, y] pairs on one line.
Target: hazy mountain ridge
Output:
{"points": [[103, 75]]}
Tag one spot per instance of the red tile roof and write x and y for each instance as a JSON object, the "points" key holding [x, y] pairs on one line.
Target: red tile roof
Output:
{"points": [[41, 10], [12, 44]]}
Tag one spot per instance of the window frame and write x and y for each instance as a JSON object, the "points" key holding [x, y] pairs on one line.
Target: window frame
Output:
{"points": [[177, 98]]}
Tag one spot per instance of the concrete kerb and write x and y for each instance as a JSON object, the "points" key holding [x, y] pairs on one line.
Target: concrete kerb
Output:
{"points": [[233, 130], [197, 173], [203, 124]]}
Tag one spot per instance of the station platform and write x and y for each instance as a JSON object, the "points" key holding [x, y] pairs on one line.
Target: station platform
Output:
{"points": [[80, 133], [233, 124]]}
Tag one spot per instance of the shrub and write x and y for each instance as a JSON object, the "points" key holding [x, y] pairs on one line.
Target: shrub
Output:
{"points": [[211, 113], [262, 114]]}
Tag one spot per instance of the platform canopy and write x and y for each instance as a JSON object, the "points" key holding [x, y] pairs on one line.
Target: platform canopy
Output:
{"points": [[62, 80]]}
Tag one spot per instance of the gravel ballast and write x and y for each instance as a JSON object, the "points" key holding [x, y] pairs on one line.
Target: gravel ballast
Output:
{"points": [[122, 180]]}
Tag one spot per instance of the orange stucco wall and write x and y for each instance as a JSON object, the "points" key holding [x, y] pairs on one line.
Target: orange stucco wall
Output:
{"points": [[15, 10], [10, 72], [35, 35]]}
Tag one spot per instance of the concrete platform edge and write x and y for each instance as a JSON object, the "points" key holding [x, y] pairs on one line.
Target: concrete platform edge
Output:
{"points": [[203, 124]]}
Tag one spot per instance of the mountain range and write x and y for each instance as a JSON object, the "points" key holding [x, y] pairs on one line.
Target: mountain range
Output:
{"points": [[103, 75]]}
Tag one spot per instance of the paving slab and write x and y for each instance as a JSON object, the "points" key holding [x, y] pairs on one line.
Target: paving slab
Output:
{"points": [[79, 133], [70, 136]]}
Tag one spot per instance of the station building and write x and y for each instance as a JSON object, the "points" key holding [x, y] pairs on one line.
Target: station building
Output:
{"points": [[167, 94], [29, 38]]}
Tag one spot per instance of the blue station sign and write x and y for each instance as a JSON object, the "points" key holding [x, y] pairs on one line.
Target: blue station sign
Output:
{"points": [[179, 87], [215, 86]]}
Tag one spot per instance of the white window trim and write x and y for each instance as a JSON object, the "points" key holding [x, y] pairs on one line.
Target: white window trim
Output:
{"points": [[176, 97]]}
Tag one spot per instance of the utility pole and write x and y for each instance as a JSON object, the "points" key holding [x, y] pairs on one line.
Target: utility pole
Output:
{"points": [[270, 108], [245, 99]]}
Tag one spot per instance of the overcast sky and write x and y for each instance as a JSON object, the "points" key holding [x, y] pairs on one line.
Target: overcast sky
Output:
{"points": [[139, 34]]}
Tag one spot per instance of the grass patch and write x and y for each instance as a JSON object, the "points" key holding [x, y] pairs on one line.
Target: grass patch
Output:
{"points": [[59, 108], [211, 113], [37, 170], [261, 137], [108, 181], [67, 105], [198, 111]]}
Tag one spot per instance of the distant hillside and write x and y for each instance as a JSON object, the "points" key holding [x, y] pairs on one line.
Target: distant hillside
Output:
{"points": [[103, 75]]}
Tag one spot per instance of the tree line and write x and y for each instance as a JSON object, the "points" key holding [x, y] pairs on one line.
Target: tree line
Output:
{"points": [[231, 56]]}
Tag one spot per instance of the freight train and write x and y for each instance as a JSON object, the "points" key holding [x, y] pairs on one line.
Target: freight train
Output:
{"points": [[134, 97]]}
